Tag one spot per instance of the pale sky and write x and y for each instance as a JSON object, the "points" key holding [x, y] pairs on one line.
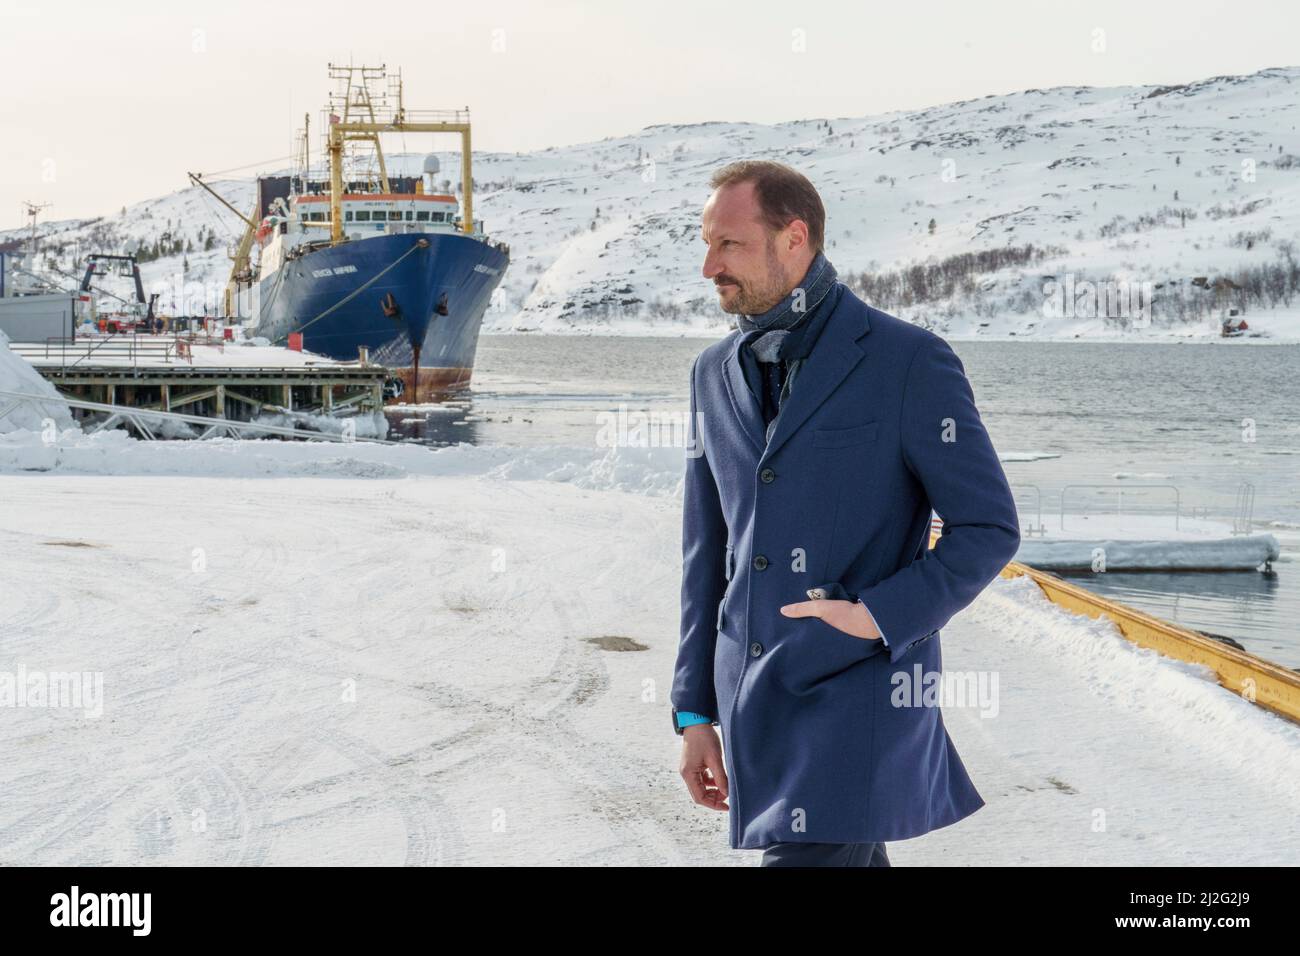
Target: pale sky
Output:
{"points": [[109, 103]]}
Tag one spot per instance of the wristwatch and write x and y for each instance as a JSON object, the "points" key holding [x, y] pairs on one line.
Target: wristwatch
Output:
{"points": [[689, 718]]}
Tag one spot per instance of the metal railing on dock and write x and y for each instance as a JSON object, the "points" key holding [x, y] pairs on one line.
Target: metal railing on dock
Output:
{"points": [[123, 349], [141, 420], [1137, 502]]}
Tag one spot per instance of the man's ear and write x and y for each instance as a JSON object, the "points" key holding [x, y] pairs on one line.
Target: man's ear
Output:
{"points": [[796, 234]]}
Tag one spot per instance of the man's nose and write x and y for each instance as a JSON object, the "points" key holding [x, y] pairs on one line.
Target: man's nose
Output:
{"points": [[711, 265]]}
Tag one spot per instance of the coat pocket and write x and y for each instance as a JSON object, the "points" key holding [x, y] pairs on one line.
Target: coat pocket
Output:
{"points": [[844, 437], [820, 651], [729, 571]]}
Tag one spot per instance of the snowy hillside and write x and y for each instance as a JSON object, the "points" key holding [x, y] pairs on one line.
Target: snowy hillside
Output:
{"points": [[1157, 185], [188, 221]]}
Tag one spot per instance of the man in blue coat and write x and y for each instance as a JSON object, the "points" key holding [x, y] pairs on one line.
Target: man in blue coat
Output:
{"points": [[824, 432]]}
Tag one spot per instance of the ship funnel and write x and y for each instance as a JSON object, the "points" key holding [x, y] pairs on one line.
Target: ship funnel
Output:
{"points": [[431, 168]]}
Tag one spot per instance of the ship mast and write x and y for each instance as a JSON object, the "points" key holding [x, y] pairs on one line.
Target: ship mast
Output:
{"points": [[355, 95], [343, 128]]}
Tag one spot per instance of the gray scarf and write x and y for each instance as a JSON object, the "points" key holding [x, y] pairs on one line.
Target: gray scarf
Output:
{"points": [[789, 315]]}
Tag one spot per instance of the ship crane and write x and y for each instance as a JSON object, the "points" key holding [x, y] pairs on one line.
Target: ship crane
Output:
{"points": [[240, 260]]}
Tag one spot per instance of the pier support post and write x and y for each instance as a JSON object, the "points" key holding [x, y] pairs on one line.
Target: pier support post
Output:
{"points": [[221, 401]]}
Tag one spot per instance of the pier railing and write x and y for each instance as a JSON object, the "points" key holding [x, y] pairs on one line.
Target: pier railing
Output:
{"points": [[1129, 499], [123, 349], [144, 420]]}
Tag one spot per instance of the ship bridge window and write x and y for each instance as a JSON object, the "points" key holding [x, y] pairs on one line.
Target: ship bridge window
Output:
{"points": [[410, 214], [395, 215], [347, 216], [422, 215], [363, 215]]}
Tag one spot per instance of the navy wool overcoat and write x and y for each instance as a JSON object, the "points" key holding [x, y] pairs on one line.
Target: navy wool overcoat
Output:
{"points": [[880, 427]]}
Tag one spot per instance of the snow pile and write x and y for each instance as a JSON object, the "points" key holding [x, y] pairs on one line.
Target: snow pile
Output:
{"points": [[648, 471], [364, 425], [17, 376], [1123, 699]]}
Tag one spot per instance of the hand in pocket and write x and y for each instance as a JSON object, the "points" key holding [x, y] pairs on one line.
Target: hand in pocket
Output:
{"points": [[831, 604]]}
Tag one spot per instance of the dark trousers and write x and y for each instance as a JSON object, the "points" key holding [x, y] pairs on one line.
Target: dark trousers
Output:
{"points": [[825, 854]]}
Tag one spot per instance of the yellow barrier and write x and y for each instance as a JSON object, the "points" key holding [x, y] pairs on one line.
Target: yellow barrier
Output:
{"points": [[1259, 681]]}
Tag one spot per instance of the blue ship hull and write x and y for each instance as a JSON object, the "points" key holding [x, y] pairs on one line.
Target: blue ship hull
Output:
{"points": [[388, 293]]}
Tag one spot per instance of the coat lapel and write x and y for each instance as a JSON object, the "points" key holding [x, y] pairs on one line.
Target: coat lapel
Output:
{"points": [[835, 354], [745, 402]]}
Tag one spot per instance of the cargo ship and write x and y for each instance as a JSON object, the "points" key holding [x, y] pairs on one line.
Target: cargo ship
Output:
{"points": [[361, 264]]}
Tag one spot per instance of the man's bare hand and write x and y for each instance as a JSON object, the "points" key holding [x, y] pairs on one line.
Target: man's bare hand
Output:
{"points": [[851, 617], [702, 768]]}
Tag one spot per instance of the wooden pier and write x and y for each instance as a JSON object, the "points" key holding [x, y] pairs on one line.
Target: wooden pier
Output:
{"points": [[213, 379]]}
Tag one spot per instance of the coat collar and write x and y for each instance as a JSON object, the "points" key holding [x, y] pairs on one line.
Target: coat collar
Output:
{"points": [[836, 353]]}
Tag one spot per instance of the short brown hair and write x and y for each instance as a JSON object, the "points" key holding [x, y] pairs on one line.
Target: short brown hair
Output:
{"points": [[784, 194]]}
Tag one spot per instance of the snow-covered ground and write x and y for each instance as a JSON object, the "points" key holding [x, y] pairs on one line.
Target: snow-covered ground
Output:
{"points": [[651, 471], [1139, 184], [460, 667], [312, 653]]}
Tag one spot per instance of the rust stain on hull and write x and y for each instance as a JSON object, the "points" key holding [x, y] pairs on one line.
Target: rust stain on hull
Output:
{"points": [[433, 383]]}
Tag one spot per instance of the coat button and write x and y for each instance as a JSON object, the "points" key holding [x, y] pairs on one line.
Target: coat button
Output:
{"points": [[767, 475], [817, 594], [760, 562], [755, 649]]}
